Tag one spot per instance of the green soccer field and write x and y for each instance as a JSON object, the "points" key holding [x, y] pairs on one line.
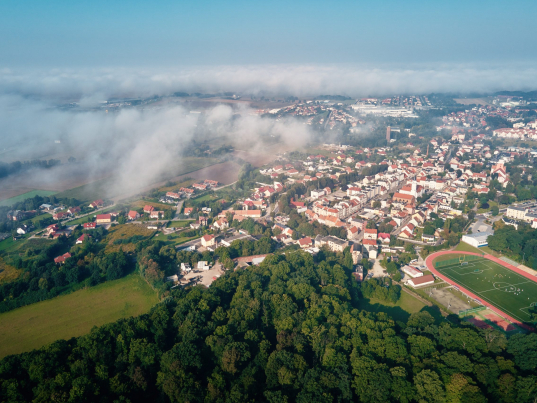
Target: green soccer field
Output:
{"points": [[501, 287]]}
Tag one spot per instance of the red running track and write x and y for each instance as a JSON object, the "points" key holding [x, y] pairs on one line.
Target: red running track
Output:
{"points": [[430, 266]]}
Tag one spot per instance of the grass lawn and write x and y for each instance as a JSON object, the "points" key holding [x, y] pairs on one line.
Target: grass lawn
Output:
{"points": [[73, 315], [37, 218], [464, 247], [24, 196], [181, 223], [81, 220], [399, 311], [501, 287], [138, 204]]}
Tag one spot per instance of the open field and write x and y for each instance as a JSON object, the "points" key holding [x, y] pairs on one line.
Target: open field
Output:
{"points": [[20, 246], [501, 287], [123, 232], [401, 310], [27, 195], [90, 191], [73, 315], [8, 273]]}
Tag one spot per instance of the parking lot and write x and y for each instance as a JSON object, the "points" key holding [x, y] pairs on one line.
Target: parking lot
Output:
{"points": [[205, 277]]}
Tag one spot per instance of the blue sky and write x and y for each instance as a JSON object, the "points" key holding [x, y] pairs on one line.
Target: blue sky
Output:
{"points": [[170, 33]]}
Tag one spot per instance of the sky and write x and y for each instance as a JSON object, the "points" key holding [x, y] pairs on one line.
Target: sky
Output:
{"points": [[96, 33]]}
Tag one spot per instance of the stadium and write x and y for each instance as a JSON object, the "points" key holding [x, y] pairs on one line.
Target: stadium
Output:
{"points": [[492, 282]]}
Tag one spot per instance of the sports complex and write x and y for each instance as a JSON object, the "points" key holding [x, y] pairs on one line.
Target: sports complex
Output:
{"points": [[494, 283]]}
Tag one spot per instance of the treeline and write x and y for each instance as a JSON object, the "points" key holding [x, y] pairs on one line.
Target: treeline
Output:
{"points": [[519, 244], [382, 289], [285, 331], [43, 279], [7, 169]]}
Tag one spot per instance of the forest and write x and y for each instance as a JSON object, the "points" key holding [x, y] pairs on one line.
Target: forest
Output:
{"points": [[286, 331]]}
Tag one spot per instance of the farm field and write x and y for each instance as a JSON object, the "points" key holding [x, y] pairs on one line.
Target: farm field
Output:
{"points": [[180, 223], [27, 195], [506, 290], [73, 315]]}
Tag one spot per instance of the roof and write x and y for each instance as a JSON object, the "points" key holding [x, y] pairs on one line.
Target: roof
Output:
{"points": [[104, 217], [207, 237], [424, 279], [370, 231]]}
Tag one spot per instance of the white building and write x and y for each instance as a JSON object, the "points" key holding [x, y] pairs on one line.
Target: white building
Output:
{"points": [[421, 281], [477, 240]]}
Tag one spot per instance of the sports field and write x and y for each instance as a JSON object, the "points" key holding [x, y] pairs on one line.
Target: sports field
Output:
{"points": [[508, 291]]}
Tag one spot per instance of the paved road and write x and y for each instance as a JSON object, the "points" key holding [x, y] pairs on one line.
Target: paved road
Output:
{"points": [[179, 208]]}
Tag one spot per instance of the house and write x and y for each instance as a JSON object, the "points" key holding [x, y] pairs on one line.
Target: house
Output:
{"points": [[334, 244], [384, 237], [60, 216], [103, 219], [96, 204], [208, 240], [148, 209], [61, 259], [156, 214], [73, 210], [421, 281], [133, 215], [221, 224], [371, 246], [82, 238], [305, 242], [370, 233], [188, 210], [90, 225]]}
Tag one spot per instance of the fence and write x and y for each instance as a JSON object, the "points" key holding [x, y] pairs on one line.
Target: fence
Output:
{"points": [[471, 310], [457, 260]]}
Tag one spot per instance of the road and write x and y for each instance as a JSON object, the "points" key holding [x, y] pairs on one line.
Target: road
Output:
{"points": [[179, 208]]}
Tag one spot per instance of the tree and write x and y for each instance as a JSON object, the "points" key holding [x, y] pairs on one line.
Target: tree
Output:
{"points": [[429, 386], [495, 210]]}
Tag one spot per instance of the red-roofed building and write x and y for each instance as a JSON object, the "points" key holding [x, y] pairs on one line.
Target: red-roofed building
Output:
{"points": [[305, 242], [61, 259], [208, 240], [90, 225], [370, 233], [82, 238], [103, 219], [133, 215], [148, 209], [96, 204]]}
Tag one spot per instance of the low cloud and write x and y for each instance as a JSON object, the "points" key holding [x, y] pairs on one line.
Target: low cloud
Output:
{"points": [[138, 146], [298, 80]]}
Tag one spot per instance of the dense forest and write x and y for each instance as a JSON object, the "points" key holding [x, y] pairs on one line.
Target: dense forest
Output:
{"points": [[288, 330]]}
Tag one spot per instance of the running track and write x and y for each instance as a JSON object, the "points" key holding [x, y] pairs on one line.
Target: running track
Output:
{"points": [[430, 266]]}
